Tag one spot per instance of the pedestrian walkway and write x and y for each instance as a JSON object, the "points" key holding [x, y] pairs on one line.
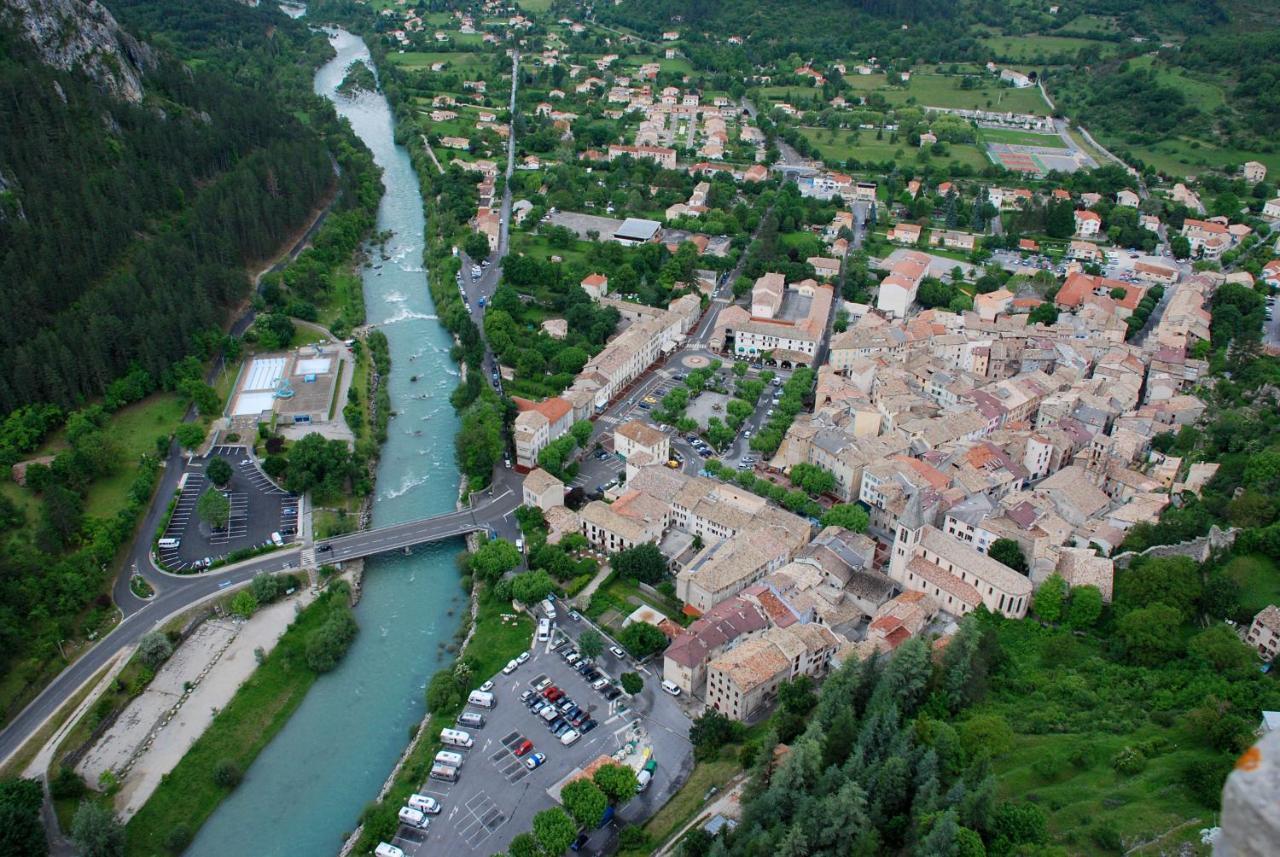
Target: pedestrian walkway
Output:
{"points": [[583, 598]]}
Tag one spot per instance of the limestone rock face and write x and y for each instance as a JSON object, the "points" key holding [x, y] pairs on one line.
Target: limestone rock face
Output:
{"points": [[71, 34]]}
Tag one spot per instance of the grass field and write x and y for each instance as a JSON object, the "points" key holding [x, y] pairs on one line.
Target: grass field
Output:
{"points": [[1089, 797], [134, 429], [940, 90], [1201, 94], [1022, 138], [686, 803], [1180, 156], [188, 795], [868, 148], [1259, 581], [534, 6], [453, 60], [1027, 49]]}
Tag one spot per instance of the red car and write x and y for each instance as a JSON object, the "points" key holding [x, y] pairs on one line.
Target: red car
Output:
{"points": [[525, 746], [553, 693], [547, 691]]}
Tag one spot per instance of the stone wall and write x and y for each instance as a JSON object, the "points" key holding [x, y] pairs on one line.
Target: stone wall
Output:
{"points": [[1198, 549]]}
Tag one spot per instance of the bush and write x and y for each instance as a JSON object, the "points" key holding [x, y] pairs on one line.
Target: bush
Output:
{"points": [[67, 785], [178, 838], [154, 649], [328, 643], [227, 774], [631, 683]]}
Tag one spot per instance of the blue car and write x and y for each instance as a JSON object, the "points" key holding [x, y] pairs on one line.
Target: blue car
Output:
{"points": [[535, 760]]}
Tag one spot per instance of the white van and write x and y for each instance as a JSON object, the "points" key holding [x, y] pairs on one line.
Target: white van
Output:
{"points": [[444, 772], [276, 540], [385, 849], [482, 699], [569, 737], [455, 738], [450, 758], [169, 544], [671, 687], [474, 719], [414, 817], [424, 803], [544, 630], [549, 609]]}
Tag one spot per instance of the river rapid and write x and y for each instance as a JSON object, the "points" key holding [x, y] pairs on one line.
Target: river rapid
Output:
{"points": [[305, 791]]}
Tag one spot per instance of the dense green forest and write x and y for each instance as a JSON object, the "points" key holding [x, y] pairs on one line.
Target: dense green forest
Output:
{"points": [[125, 228], [126, 235]]}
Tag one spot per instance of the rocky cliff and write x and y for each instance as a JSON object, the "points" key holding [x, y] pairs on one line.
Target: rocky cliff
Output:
{"points": [[70, 34]]}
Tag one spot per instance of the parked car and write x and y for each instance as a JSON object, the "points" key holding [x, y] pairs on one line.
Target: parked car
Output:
{"points": [[525, 696], [510, 667], [535, 760], [588, 726], [671, 688], [524, 658], [542, 685], [600, 684], [524, 747], [486, 687], [537, 707], [617, 651]]}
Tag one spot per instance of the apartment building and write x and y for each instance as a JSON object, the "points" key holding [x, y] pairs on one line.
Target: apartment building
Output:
{"points": [[1264, 633], [743, 682]]}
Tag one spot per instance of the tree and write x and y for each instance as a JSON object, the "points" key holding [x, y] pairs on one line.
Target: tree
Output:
{"points": [[851, 516], [96, 831], [154, 649], [1045, 313], [1220, 649], [812, 479], [243, 604], [1008, 551], [531, 587], [1051, 599], [581, 431], [1019, 823], [493, 559], [20, 829], [1060, 221], [476, 246], [219, 472], [618, 782], [327, 644], [644, 563], [642, 639], [590, 643], [1086, 607], [985, 736], [524, 845], [584, 801], [1145, 635], [1180, 246], [214, 508], [443, 693], [1174, 581], [711, 731], [554, 830], [631, 683], [189, 435]]}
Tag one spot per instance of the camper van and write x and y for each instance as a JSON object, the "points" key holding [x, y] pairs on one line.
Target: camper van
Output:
{"points": [[544, 630], [455, 738], [447, 757], [413, 817], [549, 609], [387, 850], [474, 719], [444, 772], [169, 544], [482, 699], [424, 803]]}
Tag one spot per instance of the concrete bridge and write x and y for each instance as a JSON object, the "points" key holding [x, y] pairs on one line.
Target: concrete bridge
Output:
{"points": [[481, 516]]}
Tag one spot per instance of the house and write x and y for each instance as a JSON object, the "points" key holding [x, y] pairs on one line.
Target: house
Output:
{"points": [[595, 285], [1254, 172], [1128, 198], [661, 155], [905, 233], [1271, 208], [538, 424], [541, 490], [1015, 78], [1209, 238], [1082, 567], [989, 305], [1084, 251], [1088, 223], [670, 36], [824, 267], [1264, 633], [953, 240], [641, 444], [1028, 245], [756, 173], [744, 681], [784, 326], [1150, 272], [925, 559], [459, 143], [728, 624], [1080, 289], [928, 138], [898, 289]]}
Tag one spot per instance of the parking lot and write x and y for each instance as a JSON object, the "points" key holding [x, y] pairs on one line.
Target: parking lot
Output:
{"points": [[497, 794], [258, 508]]}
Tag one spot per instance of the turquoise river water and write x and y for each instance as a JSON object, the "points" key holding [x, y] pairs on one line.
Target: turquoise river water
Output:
{"points": [[307, 788]]}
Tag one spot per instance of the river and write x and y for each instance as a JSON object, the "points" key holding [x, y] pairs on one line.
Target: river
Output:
{"points": [[307, 788]]}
